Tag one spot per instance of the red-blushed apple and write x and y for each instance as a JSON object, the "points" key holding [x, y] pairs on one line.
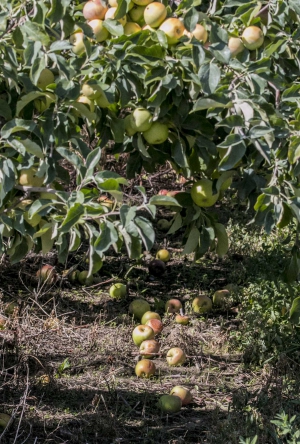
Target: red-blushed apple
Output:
{"points": [[169, 404], [182, 319], [176, 356], [4, 420], [145, 368], [83, 278], [94, 9], [157, 267], [253, 37], [220, 297], [183, 393], [149, 348], [172, 193], [163, 192], [47, 274], [118, 291], [138, 308], [202, 304], [142, 333], [156, 325], [149, 315], [163, 224], [173, 306], [163, 255]]}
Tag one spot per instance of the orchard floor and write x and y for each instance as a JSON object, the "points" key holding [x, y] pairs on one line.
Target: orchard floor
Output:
{"points": [[75, 382]]}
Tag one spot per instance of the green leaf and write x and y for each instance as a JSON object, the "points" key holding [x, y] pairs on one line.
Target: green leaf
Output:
{"points": [[295, 311], [291, 94], [146, 231], [72, 217], [192, 241], [5, 110], [35, 32], [191, 19], [107, 237], [233, 155], [218, 101], [209, 75], [164, 200], [16, 125], [259, 131], [222, 239], [113, 27]]}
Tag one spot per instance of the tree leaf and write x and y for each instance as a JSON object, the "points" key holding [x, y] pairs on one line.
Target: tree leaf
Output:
{"points": [[295, 312], [209, 75], [222, 239], [192, 241], [72, 217]]}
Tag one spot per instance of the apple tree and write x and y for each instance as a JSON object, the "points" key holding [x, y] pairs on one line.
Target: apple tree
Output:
{"points": [[210, 87]]}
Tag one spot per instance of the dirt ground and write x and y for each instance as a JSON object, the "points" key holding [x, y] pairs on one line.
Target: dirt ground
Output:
{"points": [[67, 357]]}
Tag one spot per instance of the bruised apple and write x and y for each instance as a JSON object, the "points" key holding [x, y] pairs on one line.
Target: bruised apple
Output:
{"points": [[94, 9], [145, 368], [173, 306], [149, 348], [253, 37], [173, 28], [156, 325]]}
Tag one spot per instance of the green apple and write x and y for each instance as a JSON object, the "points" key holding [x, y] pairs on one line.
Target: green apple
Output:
{"points": [[129, 125], [163, 224], [253, 37], [73, 277], [142, 2], [136, 14], [220, 297], [183, 393], [149, 315], [118, 291], [173, 28], [138, 307], [163, 255], [4, 420], [83, 278], [202, 304], [173, 306], [142, 119], [28, 177], [149, 348], [181, 319], [145, 368], [44, 102], [77, 42], [46, 78], [131, 28], [142, 333], [176, 357], [100, 32], [235, 46], [170, 404], [202, 193], [156, 134]]}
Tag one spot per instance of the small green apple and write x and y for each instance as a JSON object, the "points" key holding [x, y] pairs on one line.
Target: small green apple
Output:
{"points": [[158, 133], [4, 420], [83, 278], [170, 404], [142, 119], [118, 291], [46, 78], [202, 193], [138, 307]]}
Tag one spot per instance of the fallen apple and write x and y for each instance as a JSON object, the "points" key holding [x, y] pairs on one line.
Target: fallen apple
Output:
{"points": [[183, 393], [202, 304], [253, 37], [142, 333], [73, 276], [4, 420], [145, 368], [156, 134], [163, 255], [170, 404], [163, 224], [83, 278], [138, 307], [173, 306], [157, 267], [118, 291], [220, 297], [202, 193], [176, 357], [149, 348], [156, 325], [149, 315], [47, 274], [181, 319], [3, 321]]}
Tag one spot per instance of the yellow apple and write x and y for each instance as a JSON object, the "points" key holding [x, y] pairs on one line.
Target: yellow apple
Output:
{"points": [[156, 134], [94, 9], [145, 368], [181, 319], [173, 28], [176, 357], [202, 304], [77, 42], [28, 177], [253, 37], [100, 32], [183, 393], [220, 296], [235, 46], [163, 255], [202, 193], [154, 14], [200, 33], [136, 14], [131, 28], [110, 14], [46, 77], [142, 2]]}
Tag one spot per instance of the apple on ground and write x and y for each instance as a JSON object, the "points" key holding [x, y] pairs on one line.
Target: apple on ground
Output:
{"points": [[202, 193], [170, 404], [73, 276], [220, 297], [145, 368], [163, 255], [182, 319], [3, 321], [149, 315], [51, 324], [138, 308], [253, 37], [163, 224], [142, 333], [202, 304], [157, 267], [47, 274], [4, 420], [173, 306], [158, 133], [156, 325], [183, 393], [176, 356], [149, 348], [118, 291], [163, 193], [83, 278]]}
